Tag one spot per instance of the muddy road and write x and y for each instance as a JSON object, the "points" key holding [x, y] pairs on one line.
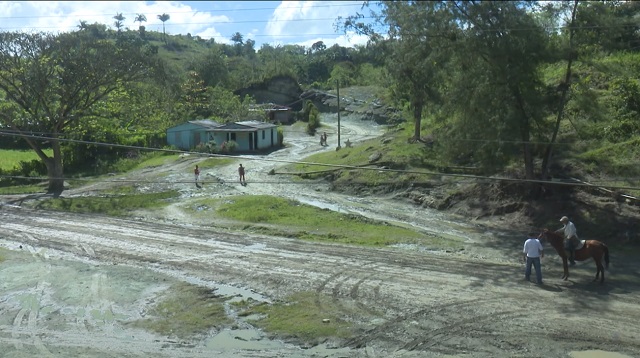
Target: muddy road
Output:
{"points": [[70, 282]]}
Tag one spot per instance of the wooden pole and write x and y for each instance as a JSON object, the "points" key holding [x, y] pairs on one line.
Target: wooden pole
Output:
{"points": [[338, 92]]}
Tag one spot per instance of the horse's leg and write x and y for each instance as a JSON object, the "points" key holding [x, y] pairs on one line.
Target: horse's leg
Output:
{"points": [[601, 268]]}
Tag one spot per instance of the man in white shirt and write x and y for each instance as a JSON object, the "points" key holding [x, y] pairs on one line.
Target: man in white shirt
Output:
{"points": [[532, 253], [570, 236]]}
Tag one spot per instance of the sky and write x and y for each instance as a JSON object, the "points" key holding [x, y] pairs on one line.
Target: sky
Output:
{"points": [[265, 22]]}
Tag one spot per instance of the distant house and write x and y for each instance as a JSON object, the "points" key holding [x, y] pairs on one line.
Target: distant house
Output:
{"points": [[275, 113], [249, 135], [188, 135]]}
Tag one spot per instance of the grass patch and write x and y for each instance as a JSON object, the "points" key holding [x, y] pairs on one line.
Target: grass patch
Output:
{"points": [[187, 310], [308, 316], [619, 159], [155, 160], [114, 205], [23, 189], [9, 158], [290, 218], [391, 152]]}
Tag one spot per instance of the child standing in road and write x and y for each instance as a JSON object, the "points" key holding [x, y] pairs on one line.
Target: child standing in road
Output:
{"points": [[196, 173]]}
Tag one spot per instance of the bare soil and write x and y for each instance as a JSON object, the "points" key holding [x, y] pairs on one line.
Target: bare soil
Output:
{"points": [[70, 283]]}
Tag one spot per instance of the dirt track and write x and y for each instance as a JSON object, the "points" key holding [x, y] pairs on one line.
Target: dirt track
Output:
{"points": [[76, 278]]}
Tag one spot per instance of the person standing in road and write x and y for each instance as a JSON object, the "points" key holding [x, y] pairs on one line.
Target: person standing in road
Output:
{"points": [[532, 253], [243, 181], [196, 173]]}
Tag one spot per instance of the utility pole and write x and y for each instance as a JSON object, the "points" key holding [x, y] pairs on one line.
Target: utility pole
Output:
{"points": [[338, 92]]}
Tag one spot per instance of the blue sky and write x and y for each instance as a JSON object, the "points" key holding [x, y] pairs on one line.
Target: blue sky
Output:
{"points": [[272, 22]]}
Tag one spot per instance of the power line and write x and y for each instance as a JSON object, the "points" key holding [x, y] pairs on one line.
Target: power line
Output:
{"points": [[337, 166], [213, 11]]}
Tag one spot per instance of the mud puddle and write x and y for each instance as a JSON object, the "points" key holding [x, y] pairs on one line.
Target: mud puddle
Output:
{"points": [[49, 301]]}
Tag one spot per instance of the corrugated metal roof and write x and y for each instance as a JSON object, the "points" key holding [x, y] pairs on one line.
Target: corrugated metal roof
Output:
{"points": [[244, 126], [207, 123]]}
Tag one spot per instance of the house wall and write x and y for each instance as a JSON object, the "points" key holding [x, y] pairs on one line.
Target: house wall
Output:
{"points": [[282, 116], [187, 136], [181, 136], [266, 138]]}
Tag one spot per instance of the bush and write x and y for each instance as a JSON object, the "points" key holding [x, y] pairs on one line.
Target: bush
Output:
{"points": [[314, 120], [229, 146], [209, 147]]}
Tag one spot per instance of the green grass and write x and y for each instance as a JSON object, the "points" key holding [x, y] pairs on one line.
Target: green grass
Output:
{"points": [[406, 163], [620, 160], [113, 205], [22, 189], [9, 158], [186, 311], [277, 216], [308, 316], [155, 160]]}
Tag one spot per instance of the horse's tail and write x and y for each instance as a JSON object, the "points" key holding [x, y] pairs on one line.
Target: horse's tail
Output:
{"points": [[606, 256]]}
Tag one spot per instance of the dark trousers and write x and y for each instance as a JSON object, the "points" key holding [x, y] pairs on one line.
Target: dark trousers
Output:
{"points": [[569, 246], [535, 261]]}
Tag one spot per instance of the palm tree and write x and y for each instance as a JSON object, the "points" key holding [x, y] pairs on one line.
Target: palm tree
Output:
{"points": [[83, 25], [140, 18], [119, 19], [164, 18]]}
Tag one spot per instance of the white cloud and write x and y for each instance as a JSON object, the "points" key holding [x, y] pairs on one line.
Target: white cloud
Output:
{"points": [[61, 16], [299, 22], [314, 20]]}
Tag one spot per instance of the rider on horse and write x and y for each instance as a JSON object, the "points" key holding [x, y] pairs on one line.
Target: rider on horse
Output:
{"points": [[571, 237]]}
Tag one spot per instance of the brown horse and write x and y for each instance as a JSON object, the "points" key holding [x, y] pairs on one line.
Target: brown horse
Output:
{"points": [[591, 249]]}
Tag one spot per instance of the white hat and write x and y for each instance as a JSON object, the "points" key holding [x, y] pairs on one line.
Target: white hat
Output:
{"points": [[564, 218]]}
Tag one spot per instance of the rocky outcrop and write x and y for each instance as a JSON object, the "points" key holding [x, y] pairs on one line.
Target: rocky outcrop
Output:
{"points": [[357, 100], [281, 90]]}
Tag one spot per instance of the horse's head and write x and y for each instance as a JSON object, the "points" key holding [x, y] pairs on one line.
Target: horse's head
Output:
{"points": [[550, 236]]}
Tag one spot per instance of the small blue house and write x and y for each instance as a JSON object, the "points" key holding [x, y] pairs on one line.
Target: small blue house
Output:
{"points": [[249, 135]]}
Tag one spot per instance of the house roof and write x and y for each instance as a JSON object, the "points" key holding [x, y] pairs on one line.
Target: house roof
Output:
{"points": [[244, 126], [207, 123]]}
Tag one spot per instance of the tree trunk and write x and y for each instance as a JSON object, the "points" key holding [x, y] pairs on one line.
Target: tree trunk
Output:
{"points": [[565, 87], [55, 170], [417, 117], [525, 132]]}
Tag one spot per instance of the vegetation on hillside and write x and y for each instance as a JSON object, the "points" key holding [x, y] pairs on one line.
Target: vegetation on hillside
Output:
{"points": [[540, 90]]}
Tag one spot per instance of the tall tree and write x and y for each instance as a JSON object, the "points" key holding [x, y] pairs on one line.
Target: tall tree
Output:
{"points": [[563, 90], [119, 23], [417, 31], [52, 82], [496, 87], [164, 18], [140, 18]]}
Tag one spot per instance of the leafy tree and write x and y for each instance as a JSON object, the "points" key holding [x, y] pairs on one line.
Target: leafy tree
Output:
{"points": [[211, 67], [343, 73], [195, 96], [164, 18], [502, 91], [237, 39], [227, 106], [52, 83], [318, 47], [417, 33]]}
